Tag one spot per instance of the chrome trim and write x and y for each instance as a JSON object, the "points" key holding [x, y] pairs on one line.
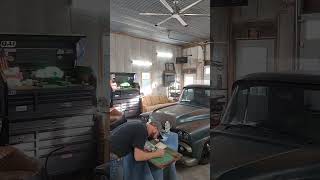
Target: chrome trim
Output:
{"points": [[186, 146], [188, 161]]}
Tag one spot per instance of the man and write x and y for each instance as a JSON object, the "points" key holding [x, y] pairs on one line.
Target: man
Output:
{"points": [[131, 138]]}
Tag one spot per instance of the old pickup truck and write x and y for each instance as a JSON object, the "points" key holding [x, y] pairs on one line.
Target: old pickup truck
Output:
{"points": [[269, 130], [190, 119]]}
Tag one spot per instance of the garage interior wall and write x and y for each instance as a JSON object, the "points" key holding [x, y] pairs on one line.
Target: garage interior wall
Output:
{"points": [[309, 39], [124, 49], [309, 36], [271, 19], [59, 17], [196, 63]]}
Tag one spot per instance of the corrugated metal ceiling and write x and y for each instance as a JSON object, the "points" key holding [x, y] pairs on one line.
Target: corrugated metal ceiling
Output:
{"points": [[125, 18]]}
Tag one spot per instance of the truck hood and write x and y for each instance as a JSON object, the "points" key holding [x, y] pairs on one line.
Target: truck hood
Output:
{"points": [[235, 147], [180, 113], [295, 163], [195, 126]]}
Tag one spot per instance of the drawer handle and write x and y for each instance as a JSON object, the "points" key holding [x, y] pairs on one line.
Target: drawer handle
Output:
{"points": [[53, 121], [20, 139]]}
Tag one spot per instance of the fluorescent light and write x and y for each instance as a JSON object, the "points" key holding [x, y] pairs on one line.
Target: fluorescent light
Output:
{"points": [[141, 63], [164, 54]]}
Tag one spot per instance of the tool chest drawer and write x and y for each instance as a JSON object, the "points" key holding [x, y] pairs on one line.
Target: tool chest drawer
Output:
{"points": [[20, 104], [51, 124], [64, 141], [24, 138], [24, 104], [72, 161], [65, 133], [25, 146], [86, 146]]}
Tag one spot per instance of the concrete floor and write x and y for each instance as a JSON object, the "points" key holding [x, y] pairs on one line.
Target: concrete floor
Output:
{"points": [[194, 173]]}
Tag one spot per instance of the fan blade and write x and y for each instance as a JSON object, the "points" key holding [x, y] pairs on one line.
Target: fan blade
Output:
{"points": [[190, 6], [204, 15], [154, 14], [164, 21], [181, 21], [164, 2]]}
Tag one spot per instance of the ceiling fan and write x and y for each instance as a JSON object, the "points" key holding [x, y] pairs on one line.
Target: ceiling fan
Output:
{"points": [[175, 12]]}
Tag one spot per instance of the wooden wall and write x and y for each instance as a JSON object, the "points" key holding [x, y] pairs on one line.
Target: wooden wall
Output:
{"points": [[196, 59], [124, 48]]}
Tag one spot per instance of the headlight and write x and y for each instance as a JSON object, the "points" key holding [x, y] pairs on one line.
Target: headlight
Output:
{"points": [[150, 118], [184, 135], [145, 118]]}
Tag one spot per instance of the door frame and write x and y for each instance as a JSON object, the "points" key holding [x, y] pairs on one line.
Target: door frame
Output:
{"points": [[253, 43]]}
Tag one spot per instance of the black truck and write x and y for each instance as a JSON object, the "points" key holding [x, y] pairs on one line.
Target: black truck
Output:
{"points": [[269, 130]]}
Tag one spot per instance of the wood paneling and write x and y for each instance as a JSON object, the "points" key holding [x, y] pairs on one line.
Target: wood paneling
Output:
{"points": [[123, 49], [196, 61]]}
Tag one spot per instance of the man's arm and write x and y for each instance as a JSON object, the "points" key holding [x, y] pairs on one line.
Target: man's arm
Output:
{"points": [[140, 155]]}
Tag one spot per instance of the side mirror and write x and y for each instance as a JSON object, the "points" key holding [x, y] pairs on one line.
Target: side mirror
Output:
{"points": [[215, 119], [217, 104], [144, 117], [216, 109]]}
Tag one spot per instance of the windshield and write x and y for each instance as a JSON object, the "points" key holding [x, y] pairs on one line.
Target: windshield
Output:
{"points": [[283, 108], [196, 96]]}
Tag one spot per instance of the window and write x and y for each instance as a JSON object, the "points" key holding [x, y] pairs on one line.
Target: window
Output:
{"points": [[189, 79], [207, 70], [311, 32], [206, 75], [196, 96], [289, 109], [146, 88]]}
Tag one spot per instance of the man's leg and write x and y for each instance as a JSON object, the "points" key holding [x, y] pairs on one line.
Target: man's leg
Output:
{"points": [[116, 169], [172, 172], [157, 173], [173, 143], [134, 170]]}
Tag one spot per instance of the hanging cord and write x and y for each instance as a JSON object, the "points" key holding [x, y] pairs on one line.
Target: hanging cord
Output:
{"points": [[3, 60], [47, 177]]}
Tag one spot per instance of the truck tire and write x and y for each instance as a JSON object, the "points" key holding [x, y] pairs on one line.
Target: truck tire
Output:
{"points": [[205, 155]]}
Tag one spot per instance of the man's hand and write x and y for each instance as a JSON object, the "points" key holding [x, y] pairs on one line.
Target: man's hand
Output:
{"points": [[160, 152], [140, 155]]}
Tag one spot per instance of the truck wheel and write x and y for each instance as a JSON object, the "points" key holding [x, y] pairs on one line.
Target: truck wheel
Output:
{"points": [[205, 156]]}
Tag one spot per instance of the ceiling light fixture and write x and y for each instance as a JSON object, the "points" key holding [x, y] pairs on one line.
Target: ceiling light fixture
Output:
{"points": [[141, 63], [164, 54]]}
